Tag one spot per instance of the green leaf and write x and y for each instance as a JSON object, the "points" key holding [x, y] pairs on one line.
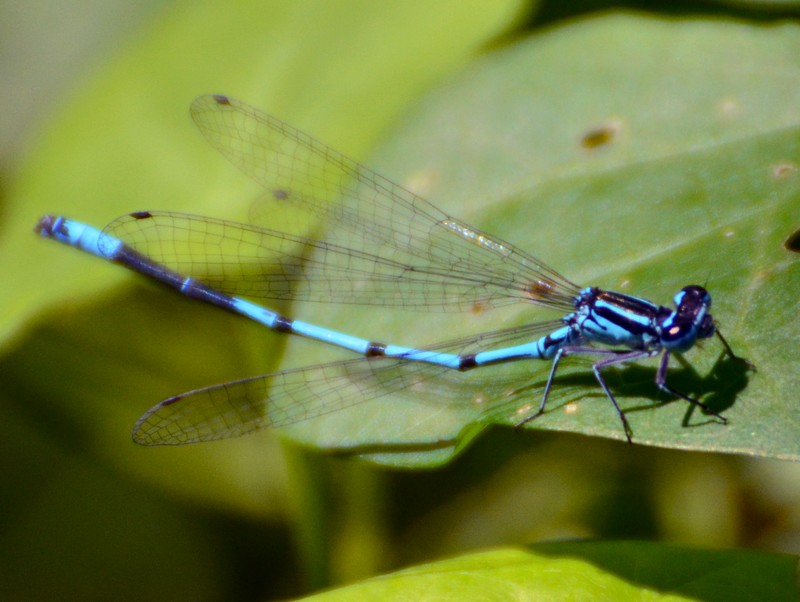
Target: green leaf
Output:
{"points": [[671, 160], [588, 571]]}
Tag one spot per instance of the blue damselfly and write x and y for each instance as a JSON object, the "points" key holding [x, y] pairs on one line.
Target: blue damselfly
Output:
{"points": [[382, 246]]}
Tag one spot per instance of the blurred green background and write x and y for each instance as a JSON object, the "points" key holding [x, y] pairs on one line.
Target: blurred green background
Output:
{"points": [[486, 108]]}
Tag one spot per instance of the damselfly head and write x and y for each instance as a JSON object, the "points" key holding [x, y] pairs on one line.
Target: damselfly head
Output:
{"points": [[690, 320]]}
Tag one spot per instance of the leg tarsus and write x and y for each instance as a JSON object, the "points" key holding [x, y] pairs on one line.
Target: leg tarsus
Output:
{"points": [[661, 383], [623, 357], [732, 355]]}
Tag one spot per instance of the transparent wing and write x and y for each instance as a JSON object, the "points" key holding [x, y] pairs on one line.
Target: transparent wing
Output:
{"points": [[373, 242], [291, 396]]}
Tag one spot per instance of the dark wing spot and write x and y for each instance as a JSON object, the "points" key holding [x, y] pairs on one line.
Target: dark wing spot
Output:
{"points": [[541, 289]]}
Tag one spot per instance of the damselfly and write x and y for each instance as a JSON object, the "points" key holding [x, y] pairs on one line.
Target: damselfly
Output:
{"points": [[382, 245]]}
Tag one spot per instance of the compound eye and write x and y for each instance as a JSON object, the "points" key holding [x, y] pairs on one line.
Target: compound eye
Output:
{"points": [[693, 296]]}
